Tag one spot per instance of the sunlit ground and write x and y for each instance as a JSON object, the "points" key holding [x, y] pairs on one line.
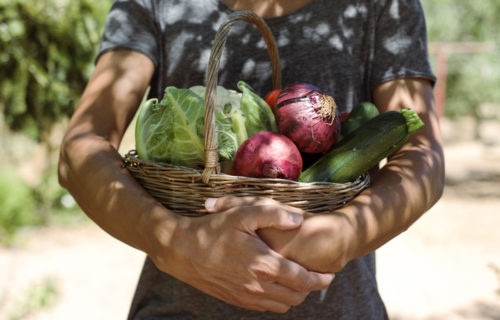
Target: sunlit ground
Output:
{"points": [[446, 266]]}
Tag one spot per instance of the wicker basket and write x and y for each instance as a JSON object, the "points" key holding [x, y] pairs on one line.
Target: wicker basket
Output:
{"points": [[184, 190]]}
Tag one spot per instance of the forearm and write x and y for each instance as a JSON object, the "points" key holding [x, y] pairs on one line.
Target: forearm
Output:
{"points": [[92, 171], [404, 189], [412, 181]]}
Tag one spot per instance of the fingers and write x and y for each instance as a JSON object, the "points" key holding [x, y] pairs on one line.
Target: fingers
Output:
{"points": [[269, 288], [264, 294], [268, 305], [294, 276], [256, 212], [268, 296], [251, 218]]}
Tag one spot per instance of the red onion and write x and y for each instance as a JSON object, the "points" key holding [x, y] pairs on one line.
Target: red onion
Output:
{"points": [[308, 117], [268, 155]]}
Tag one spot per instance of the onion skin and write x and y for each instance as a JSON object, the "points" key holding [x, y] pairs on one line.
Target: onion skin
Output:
{"points": [[268, 155], [308, 117]]}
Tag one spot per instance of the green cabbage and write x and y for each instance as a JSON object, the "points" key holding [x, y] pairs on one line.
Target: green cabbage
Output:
{"points": [[259, 116], [172, 130]]}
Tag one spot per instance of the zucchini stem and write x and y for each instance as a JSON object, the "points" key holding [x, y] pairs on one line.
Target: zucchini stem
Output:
{"points": [[413, 122]]}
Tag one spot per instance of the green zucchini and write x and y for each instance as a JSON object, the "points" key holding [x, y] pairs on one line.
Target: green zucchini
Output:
{"points": [[358, 116], [364, 148]]}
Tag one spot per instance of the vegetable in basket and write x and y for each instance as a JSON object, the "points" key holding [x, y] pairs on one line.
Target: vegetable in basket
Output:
{"points": [[308, 116], [268, 155], [365, 147], [172, 130], [272, 97], [358, 116]]}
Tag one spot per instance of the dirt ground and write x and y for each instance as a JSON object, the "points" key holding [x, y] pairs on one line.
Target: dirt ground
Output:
{"points": [[446, 266]]}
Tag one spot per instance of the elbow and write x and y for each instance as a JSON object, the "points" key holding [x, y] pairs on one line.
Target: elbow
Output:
{"points": [[64, 162], [440, 184], [439, 180], [69, 153]]}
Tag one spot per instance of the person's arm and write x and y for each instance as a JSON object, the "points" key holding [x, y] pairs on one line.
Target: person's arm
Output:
{"points": [[408, 185], [220, 255]]}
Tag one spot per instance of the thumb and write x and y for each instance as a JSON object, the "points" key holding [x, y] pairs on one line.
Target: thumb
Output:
{"points": [[269, 216]]}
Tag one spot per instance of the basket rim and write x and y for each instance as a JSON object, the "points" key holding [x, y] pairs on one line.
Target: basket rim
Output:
{"points": [[131, 159]]}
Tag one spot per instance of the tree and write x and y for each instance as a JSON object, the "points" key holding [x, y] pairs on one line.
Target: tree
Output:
{"points": [[473, 78], [46, 59]]}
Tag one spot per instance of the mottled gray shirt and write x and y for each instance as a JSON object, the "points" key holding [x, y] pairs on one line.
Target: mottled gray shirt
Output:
{"points": [[344, 47]]}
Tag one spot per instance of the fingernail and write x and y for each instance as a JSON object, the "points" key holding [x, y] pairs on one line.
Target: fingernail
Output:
{"points": [[210, 204], [295, 218]]}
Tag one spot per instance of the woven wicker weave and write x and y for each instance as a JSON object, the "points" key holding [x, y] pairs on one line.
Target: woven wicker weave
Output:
{"points": [[184, 190]]}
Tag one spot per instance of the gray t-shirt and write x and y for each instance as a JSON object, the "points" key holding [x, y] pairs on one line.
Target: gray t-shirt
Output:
{"points": [[344, 47]]}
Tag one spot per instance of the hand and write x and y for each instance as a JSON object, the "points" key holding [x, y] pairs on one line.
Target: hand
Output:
{"points": [[323, 243], [223, 256]]}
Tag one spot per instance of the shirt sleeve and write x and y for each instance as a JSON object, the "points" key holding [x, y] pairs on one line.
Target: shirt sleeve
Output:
{"points": [[130, 24], [400, 49]]}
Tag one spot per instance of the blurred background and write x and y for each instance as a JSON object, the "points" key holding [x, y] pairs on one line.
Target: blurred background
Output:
{"points": [[56, 264]]}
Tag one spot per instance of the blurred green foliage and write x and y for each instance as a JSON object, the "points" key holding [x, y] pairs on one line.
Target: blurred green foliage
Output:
{"points": [[22, 205], [47, 51], [17, 204], [473, 78], [462, 20], [38, 297], [46, 57]]}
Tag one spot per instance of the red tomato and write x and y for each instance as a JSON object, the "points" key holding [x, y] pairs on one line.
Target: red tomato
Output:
{"points": [[271, 98], [344, 116]]}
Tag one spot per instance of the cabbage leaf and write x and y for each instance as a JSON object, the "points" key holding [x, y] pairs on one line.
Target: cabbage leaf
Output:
{"points": [[172, 130], [258, 116]]}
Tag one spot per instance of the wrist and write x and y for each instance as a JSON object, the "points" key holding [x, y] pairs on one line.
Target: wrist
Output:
{"points": [[324, 243], [358, 230], [157, 228], [343, 243], [350, 238]]}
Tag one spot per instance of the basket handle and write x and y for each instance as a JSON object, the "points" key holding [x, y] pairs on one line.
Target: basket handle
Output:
{"points": [[211, 153]]}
